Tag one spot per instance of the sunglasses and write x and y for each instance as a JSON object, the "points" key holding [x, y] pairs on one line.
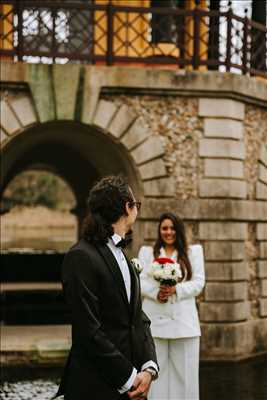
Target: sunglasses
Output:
{"points": [[137, 204]]}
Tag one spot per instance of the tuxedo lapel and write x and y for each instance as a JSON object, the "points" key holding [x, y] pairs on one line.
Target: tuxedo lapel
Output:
{"points": [[113, 266], [134, 286]]}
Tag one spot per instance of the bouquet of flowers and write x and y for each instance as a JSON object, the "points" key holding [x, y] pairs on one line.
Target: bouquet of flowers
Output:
{"points": [[166, 271]]}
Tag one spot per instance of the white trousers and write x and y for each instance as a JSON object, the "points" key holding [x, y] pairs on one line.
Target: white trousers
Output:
{"points": [[179, 370]]}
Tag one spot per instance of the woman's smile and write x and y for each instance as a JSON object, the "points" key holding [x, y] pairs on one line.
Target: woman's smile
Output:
{"points": [[167, 231]]}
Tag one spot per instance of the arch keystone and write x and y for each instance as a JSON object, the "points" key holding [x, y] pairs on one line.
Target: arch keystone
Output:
{"points": [[66, 94], [93, 81]]}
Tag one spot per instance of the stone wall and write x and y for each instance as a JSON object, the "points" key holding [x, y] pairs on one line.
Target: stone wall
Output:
{"points": [[215, 149], [197, 143]]}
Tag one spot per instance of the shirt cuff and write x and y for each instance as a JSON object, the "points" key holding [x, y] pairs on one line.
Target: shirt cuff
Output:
{"points": [[151, 364], [127, 386]]}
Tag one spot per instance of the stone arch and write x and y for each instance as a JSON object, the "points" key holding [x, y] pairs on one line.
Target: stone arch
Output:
{"points": [[78, 153], [115, 131], [73, 94]]}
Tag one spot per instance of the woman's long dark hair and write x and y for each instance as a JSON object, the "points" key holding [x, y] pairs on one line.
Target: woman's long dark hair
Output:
{"points": [[180, 244]]}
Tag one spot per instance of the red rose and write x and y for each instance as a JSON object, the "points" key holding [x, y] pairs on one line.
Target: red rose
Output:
{"points": [[164, 260]]}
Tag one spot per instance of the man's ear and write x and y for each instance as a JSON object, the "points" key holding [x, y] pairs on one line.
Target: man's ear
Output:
{"points": [[127, 208]]}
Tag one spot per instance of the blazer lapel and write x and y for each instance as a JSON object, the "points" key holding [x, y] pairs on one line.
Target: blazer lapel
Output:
{"points": [[113, 266]]}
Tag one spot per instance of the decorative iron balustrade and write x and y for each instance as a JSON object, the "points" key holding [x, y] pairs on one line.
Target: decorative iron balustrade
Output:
{"points": [[79, 31]]}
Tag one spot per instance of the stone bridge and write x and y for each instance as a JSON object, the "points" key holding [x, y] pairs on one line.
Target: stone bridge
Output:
{"points": [[194, 143]]}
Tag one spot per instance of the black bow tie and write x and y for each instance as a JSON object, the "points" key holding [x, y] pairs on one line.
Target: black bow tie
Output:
{"points": [[124, 242]]}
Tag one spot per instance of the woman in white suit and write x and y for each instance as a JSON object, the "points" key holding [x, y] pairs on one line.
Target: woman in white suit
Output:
{"points": [[173, 313]]}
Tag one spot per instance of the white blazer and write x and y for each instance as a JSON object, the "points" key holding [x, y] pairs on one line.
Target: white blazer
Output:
{"points": [[178, 318]]}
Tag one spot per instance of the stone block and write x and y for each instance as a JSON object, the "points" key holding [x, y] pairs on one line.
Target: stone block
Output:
{"points": [[222, 148], [226, 291], [153, 169], [150, 230], [53, 349], [163, 187], [263, 155], [9, 122], [221, 168], [93, 80], [225, 108], [122, 120], [226, 271], [223, 230], [249, 210], [24, 110], [40, 80], [66, 94], [148, 150], [224, 312], [263, 173], [136, 134], [104, 113], [263, 286], [263, 249], [261, 231], [261, 191], [224, 251], [223, 188], [263, 307], [262, 269], [209, 209], [233, 341], [223, 128]]}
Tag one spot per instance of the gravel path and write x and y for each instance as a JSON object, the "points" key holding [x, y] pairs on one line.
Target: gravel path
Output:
{"points": [[26, 390]]}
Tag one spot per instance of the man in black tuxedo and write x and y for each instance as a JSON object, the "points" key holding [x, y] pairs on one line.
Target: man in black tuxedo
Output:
{"points": [[112, 355]]}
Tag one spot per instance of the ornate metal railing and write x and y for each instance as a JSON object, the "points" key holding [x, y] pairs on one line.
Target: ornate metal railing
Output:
{"points": [[78, 31]]}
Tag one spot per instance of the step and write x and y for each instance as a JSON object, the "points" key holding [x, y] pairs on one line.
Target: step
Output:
{"points": [[29, 286]]}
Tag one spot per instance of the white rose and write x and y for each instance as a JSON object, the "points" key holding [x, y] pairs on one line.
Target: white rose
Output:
{"points": [[137, 265]]}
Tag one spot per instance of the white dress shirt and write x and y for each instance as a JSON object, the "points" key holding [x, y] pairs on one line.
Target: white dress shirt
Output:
{"points": [[121, 260], [123, 265]]}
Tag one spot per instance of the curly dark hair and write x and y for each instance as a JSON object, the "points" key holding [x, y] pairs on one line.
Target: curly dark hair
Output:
{"points": [[106, 204], [180, 244]]}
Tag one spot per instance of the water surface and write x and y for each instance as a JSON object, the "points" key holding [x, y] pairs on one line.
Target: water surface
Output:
{"points": [[245, 380]]}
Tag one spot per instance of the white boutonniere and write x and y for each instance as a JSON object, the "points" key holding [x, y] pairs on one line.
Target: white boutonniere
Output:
{"points": [[137, 265]]}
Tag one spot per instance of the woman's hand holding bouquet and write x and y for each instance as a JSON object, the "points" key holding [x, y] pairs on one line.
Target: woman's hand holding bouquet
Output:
{"points": [[168, 273]]}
